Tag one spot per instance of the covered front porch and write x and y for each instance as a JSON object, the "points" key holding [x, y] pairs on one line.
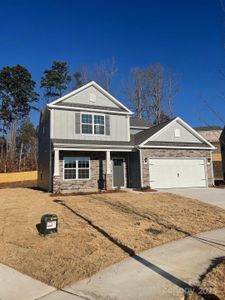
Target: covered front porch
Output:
{"points": [[84, 170]]}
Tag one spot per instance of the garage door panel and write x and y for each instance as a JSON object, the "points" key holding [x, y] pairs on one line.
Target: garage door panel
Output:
{"points": [[168, 173]]}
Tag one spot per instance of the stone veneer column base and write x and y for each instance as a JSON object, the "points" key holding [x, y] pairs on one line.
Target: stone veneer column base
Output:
{"points": [[108, 185]]}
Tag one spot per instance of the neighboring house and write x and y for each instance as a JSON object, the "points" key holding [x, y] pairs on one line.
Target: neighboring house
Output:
{"points": [[222, 145], [88, 141], [212, 134]]}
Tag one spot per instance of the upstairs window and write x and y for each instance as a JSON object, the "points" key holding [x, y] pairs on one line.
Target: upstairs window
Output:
{"points": [[92, 124], [87, 124], [99, 124]]}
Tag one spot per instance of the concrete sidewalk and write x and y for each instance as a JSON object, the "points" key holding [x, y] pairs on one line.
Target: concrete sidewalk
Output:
{"points": [[17, 286], [159, 273]]}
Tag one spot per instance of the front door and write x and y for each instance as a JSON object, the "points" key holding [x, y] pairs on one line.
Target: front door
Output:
{"points": [[118, 172]]}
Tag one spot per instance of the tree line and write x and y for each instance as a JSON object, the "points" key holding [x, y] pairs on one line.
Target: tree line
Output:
{"points": [[150, 92]]}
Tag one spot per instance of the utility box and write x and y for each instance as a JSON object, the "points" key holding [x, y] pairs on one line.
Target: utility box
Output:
{"points": [[49, 224]]}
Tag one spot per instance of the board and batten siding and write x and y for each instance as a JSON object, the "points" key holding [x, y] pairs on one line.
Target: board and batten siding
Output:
{"points": [[168, 135], [91, 96], [66, 125]]}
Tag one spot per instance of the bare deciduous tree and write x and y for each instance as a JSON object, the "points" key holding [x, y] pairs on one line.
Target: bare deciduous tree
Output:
{"points": [[213, 111], [138, 91], [103, 74], [152, 91]]}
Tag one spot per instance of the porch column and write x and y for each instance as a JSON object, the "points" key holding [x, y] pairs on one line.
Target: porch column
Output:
{"points": [[56, 163], [108, 172], [108, 163]]}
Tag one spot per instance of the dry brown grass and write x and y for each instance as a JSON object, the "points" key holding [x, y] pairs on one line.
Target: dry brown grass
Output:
{"points": [[95, 230], [212, 286]]}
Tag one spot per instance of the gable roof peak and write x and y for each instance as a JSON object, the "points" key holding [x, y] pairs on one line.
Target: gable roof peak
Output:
{"points": [[80, 89]]}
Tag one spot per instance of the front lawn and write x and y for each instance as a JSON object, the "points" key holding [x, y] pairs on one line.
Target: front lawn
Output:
{"points": [[95, 230], [211, 284]]}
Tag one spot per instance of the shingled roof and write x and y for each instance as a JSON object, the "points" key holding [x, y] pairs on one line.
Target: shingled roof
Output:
{"points": [[138, 122], [208, 128]]}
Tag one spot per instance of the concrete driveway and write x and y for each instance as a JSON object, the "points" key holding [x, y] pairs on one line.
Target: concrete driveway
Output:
{"points": [[214, 196]]}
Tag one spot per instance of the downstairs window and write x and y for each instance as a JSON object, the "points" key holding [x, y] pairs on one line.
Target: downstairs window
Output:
{"points": [[76, 168]]}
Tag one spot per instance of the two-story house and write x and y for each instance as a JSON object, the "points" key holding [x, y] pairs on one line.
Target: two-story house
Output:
{"points": [[89, 141]]}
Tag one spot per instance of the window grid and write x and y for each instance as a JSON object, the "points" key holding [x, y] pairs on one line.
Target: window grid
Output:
{"points": [[76, 168], [93, 124]]}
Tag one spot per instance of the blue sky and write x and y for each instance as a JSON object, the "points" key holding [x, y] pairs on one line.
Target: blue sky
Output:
{"points": [[186, 35]]}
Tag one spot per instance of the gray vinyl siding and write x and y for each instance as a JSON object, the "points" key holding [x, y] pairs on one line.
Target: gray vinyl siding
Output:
{"points": [[65, 126], [134, 180], [44, 152], [84, 97], [168, 135]]}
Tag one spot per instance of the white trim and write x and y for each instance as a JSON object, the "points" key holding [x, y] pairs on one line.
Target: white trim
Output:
{"points": [[92, 124], [206, 171], [88, 109], [77, 158], [175, 147], [128, 128], [94, 149], [94, 146], [124, 175], [188, 127], [98, 87], [183, 158], [56, 162], [51, 112], [139, 127], [108, 163]]}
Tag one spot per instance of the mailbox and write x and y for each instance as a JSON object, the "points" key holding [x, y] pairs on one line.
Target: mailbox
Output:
{"points": [[49, 224]]}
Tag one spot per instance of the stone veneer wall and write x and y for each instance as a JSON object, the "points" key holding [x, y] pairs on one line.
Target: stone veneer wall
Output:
{"points": [[170, 153], [61, 185]]}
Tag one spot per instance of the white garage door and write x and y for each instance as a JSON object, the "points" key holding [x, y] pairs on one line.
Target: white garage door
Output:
{"points": [[168, 173]]}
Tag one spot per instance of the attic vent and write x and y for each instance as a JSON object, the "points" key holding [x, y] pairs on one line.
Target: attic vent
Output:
{"points": [[177, 132], [92, 97]]}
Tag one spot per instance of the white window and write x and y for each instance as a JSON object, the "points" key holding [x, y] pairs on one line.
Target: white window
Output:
{"points": [[92, 124], [76, 167], [99, 124], [86, 122], [177, 132]]}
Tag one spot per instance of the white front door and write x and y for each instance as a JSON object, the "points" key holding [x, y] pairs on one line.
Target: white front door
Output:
{"points": [[169, 172]]}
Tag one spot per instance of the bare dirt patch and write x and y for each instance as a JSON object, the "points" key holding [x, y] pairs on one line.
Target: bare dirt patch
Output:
{"points": [[95, 230], [16, 184]]}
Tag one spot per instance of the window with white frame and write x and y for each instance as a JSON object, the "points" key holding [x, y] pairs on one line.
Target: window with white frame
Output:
{"points": [[99, 124], [86, 121], [92, 124], [76, 167]]}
